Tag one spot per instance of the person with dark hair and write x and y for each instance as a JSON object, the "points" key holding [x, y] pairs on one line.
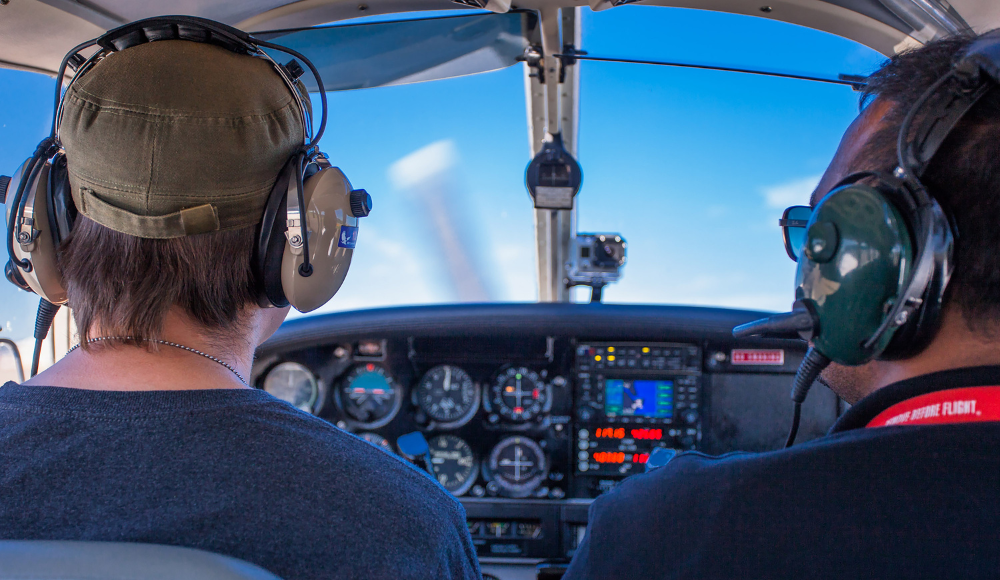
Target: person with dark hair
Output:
{"points": [[876, 497], [148, 432]]}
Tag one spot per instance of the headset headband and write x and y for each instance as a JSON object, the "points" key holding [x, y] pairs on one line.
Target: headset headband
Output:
{"points": [[193, 29], [944, 104], [150, 30], [924, 129]]}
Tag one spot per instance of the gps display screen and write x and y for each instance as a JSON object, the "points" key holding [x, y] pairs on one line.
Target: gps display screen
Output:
{"points": [[638, 398]]}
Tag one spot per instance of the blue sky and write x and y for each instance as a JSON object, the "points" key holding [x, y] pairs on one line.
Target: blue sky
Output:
{"points": [[692, 167]]}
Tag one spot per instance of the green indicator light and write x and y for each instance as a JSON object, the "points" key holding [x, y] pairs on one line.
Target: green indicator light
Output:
{"points": [[518, 376]]}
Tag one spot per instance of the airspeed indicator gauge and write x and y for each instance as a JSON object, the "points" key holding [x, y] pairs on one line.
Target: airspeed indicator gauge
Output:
{"points": [[518, 394], [448, 396], [369, 396], [453, 462]]}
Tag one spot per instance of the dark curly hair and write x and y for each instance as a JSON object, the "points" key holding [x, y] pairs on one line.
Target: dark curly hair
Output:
{"points": [[964, 175]]}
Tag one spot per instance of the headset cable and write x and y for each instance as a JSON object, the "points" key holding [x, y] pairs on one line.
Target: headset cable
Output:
{"points": [[812, 365], [43, 321]]}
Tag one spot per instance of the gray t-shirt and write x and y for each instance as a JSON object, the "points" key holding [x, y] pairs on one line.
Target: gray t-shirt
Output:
{"points": [[232, 471]]}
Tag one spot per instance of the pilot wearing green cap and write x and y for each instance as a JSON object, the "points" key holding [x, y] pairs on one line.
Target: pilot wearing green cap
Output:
{"points": [[149, 431], [898, 295]]}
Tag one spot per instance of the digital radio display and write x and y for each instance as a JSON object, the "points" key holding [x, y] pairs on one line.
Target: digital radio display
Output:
{"points": [[638, 398], [617, 450]]}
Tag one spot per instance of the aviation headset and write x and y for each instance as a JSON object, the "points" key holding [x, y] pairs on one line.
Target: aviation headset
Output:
{"points": [[877, 255], [311, 209]]}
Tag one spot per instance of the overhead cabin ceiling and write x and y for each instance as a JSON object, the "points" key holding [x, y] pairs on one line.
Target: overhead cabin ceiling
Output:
{"points": [[35, 34]]}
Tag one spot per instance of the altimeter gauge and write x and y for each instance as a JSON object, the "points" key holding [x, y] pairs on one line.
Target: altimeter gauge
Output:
{"points": [[448, 395]]}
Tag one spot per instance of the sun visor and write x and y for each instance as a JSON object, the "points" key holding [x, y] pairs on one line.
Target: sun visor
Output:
{"points": [[361, 56]]}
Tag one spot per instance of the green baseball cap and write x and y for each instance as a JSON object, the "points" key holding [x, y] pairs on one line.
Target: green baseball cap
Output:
{"points": [[176, 138]]}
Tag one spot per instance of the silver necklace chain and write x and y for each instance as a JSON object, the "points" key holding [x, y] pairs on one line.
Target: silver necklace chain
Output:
{"points": [[168, 343]]}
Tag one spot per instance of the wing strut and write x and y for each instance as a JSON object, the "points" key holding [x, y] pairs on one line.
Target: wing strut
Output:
{"points": [[552, 89]]}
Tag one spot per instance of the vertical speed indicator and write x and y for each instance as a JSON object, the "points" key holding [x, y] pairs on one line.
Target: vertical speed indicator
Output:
{"points": [[518, 394], [453, 462]]}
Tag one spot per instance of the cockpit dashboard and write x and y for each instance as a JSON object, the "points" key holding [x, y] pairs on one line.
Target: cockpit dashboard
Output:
{"points": [[530, 411]]}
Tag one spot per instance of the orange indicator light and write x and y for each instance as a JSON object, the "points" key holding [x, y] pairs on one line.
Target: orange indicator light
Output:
{"points": [[509, 389]]}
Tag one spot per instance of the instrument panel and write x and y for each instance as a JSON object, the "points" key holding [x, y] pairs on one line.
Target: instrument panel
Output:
{"points": [[530, 412], [489, 424]]}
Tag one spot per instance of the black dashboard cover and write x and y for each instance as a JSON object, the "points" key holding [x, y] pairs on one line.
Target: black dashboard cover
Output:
{"points": [[604, 321]]}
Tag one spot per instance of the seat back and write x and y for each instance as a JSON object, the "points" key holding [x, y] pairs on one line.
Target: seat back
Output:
{"points": [[52, 560]]}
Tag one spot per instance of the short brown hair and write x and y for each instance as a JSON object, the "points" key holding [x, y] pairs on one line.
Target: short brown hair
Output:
{"points": [[127, 284]]}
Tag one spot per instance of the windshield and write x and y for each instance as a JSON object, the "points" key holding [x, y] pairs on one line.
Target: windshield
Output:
{"points": [[691, 167]]}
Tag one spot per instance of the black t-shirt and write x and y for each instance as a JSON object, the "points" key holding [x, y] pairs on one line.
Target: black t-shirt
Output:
{"points": [[232, 471], [890, 502]]}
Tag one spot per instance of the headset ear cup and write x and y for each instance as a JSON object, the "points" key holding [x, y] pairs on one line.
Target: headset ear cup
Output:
{"points": [[914, 336], [271, 243], [911, 338], [333, 232], [44, 279], [61, 209], [857, 254]]}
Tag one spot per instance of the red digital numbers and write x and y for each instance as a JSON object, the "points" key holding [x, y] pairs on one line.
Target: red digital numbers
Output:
{"points": [[609, 457], [647, 434], [619, 433], [610, 433], [619, 457]]}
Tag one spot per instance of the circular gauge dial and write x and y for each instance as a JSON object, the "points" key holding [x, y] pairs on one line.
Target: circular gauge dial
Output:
{"points": [[293, 383], [518, 394], [377, 440], [369, 396], [518, 465], [448, 395], [453, 462]]}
